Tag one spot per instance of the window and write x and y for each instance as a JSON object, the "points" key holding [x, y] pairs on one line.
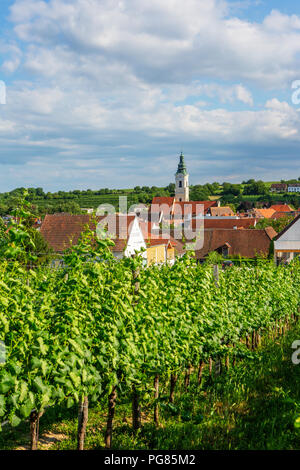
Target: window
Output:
{"points": [[180, 184]]}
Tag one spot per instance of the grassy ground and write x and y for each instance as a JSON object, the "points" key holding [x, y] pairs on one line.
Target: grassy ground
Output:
{"points": [[253, 406]]}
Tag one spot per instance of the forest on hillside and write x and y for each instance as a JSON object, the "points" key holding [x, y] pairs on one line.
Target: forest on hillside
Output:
{"points": [[243, 196]]}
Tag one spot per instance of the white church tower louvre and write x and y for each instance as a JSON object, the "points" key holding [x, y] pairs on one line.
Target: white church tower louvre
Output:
{"points": [[182, 192]]}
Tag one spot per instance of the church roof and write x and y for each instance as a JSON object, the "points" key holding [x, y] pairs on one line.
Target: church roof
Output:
{"points": [[181, 166]]}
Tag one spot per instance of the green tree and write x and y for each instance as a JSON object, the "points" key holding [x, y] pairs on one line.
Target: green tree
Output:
{"points": [[256, 188], [277, 224]]}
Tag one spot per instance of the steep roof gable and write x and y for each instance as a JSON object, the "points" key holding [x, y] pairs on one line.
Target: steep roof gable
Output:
{"points": [[291, 230]]}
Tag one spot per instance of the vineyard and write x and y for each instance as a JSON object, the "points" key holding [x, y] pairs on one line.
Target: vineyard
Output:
{"points": [[101, 331]]}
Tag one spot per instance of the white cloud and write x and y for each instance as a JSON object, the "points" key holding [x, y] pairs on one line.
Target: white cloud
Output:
{"points": [[278, 22], [107, 78], [244, 95], [170, 41], [11, 57]]}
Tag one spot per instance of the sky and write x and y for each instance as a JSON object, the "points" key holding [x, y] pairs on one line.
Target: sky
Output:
{"points": [[107, 93]]}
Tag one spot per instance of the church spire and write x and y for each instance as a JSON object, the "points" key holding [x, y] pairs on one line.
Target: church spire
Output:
{"points": [[181, 181], [181, 166]]}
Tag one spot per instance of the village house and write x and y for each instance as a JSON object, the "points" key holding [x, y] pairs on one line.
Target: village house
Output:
{"points": [[281, 208], [160, 251], [294, 188], [171, 222], [287, 243], [170, 210], [279, 188], [221, 212], [263, 213], [276, 211], [62, 231], [232, 242], [226, 224]]}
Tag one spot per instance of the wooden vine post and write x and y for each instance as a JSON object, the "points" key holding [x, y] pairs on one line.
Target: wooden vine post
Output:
{"points": [[156, 396], [200, 372], [253, 340], [110, 418], [136, 408], [173, 381], [218, 363], [187, 377], [83, 414], [34, 428], [210, 366], [216, 274]]}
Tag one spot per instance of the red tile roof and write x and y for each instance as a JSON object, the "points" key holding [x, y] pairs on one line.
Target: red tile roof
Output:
{"points": [[263, 213], [61, 231], [161, 241], [270, 232], [193, 207], [180, 207], [221, 212], [281, 208], [247, 243], [163, 200], [245, 223], [280, 215], [165, 203]]}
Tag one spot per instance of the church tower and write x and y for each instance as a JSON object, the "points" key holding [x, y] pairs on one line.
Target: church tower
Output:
{"points": [[182, 192]]}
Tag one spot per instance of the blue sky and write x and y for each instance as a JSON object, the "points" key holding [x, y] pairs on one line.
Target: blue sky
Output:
{"points": [[106, 93]]}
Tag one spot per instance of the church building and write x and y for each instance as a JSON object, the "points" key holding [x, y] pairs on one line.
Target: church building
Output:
{"points": [[182, 192]]}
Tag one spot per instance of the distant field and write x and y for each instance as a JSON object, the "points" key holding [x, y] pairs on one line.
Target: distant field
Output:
{"points": [[87, 201]]}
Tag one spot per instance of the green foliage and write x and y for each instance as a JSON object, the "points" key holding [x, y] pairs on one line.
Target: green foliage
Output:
{"points": [[82, 328], [199, 193], [277, 224], [85, 327], [233, 189], [19, 240], [213, 258], [256, 187]]}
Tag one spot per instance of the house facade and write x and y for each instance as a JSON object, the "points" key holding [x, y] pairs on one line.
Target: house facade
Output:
{"points": [[294, 188], [279, 188], [287, 243]]}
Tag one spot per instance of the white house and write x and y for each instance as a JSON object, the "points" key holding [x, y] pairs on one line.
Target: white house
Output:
{"points": [[287, 243], [294, 188]]}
